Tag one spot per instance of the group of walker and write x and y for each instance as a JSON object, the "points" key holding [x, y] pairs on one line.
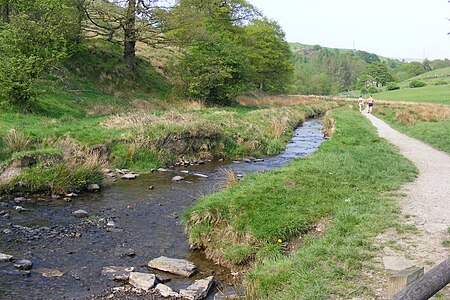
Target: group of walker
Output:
{"points": [[369, 103]]}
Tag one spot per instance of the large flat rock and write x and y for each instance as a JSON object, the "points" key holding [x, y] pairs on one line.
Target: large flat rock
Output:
{"points": [[176, 266], [198, 290], [143, 281]]}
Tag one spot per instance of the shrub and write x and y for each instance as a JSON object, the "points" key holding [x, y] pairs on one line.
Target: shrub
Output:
{"points": [[441, 82], [416, 84], [372, 90], [392, 86]]}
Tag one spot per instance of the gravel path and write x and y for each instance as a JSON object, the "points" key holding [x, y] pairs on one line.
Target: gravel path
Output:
{"points": [[426, 205]]}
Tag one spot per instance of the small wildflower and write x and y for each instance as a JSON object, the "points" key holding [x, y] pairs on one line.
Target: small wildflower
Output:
{"points": [[280, 241]]}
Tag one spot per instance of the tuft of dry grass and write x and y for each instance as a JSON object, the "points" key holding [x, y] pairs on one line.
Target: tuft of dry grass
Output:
{"points": [[17, 141], [329, 124], [406, 117], [229, 178], [278, 127]]}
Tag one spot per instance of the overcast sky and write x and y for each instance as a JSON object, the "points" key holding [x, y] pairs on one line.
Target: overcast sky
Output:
{"points": [[391, 28]]}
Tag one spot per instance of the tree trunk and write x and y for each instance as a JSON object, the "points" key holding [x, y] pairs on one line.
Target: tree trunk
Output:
{"points": [[130, 35], [5, 10]]}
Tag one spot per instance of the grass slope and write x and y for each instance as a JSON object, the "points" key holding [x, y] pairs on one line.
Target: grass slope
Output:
{"points": [[345, 182], [432, 94]]}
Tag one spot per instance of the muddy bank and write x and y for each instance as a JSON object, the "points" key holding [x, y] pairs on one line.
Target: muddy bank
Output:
{"points": [[128, 225]]}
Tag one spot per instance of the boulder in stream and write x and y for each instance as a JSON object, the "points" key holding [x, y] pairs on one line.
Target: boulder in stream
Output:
{"points": [[80, 213], [142, 281], [93, 187], [200, 175], [198, 290], [117, 273], [5, 257], [173, 265], [177, 178], [23, 264], [129, 176], [166, 291]]}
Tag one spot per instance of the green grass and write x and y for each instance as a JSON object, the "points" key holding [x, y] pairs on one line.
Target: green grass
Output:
{"points": [[434, 132], [343, 182], [431, 94]]}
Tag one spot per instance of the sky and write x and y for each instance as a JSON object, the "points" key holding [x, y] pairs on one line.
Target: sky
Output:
{"points": [[410, 29]]}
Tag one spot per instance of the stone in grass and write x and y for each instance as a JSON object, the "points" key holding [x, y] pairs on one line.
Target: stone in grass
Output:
{"points": [[5, 257], [173, 265], [166, 291], [23, 264], [198, 290], [117, 273], [80, 213], [143, 281], [177, 178]]}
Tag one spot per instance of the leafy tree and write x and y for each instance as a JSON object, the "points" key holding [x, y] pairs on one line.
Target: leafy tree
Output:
{"points": [[375, 74], [269, 55], [213, 72], [409, 70], [35, 39]]}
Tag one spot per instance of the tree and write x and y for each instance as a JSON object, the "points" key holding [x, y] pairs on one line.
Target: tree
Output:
{"points": [[213, 72], [375, 74], [269, 55], [36, 38], [127, 22], [368, 57]]}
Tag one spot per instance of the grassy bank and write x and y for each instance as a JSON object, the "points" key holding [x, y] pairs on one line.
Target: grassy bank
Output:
{"points": [[139, 139], [425, 122], [430, 94], [307, 227]]}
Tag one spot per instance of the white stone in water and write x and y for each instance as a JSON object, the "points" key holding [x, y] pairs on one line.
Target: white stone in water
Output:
{"points": [[201, 175], [23, 264], [129, 176], [184, 171], [166, 291], [93, 187], [80, 213], [142, 281], [163, 170], [117, 273], [5, 257], [198, 290], [177, 178], [111, 223], [173, 265]]}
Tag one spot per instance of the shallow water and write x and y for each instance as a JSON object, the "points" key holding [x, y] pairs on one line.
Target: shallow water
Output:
{"points": [[147, 221]]}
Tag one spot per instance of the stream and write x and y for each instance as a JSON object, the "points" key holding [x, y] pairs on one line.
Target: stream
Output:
{"points": [[144, 224]]}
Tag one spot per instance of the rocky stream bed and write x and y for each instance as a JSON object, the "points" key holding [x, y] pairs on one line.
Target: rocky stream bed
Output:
{"points": [[68, 247]]}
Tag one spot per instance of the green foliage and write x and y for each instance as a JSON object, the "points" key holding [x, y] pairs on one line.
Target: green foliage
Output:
{"points": [[213, 72], [35, 40], [416, 84], [269, 56], [375, 74], [367, 57], [135, 158], [392, 86], [408, 70]]}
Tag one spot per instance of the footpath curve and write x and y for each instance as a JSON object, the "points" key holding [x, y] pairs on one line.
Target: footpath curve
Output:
{"points": [[426, 205]]}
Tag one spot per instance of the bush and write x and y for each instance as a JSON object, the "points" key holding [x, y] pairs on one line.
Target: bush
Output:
{"points": [[372, 90], [441, 82], [416, 84], [392, 86]]}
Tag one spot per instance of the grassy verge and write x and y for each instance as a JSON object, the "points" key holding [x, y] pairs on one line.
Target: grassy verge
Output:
{"points": [[428, 123], [343, 186]]}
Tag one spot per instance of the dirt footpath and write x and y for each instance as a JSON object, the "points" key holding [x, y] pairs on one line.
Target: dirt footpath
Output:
{"points": [[426, 205]]}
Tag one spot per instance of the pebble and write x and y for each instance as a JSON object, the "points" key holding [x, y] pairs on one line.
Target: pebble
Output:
{"points": [[23, 264]]}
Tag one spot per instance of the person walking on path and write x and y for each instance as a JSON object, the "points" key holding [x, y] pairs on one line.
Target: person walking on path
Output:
{"points": [[360, 103], [370, 104]]}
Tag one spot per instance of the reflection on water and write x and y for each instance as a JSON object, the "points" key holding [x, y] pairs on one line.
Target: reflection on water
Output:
{"points": [[147, 223]]}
